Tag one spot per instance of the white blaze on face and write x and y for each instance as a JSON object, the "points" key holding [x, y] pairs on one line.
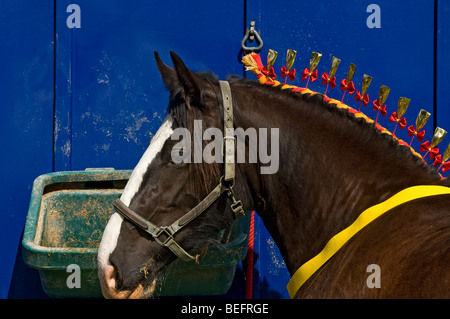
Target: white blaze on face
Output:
{"points": [[112, 230]]}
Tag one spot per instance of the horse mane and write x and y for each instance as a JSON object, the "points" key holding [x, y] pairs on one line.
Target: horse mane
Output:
{"points": [[368, 125]]}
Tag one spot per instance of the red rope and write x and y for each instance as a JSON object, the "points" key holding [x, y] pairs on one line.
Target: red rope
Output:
{"points": [[251, 240]]}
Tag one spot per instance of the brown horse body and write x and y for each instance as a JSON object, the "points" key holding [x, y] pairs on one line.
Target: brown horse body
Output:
{"points": [[332, 167], [335, 166]]}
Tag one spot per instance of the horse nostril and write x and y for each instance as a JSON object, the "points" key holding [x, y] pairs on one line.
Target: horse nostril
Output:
{"points": [[108, 279]]}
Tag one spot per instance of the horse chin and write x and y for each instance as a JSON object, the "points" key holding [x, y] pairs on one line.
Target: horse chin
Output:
{"points": [[139, 293]]}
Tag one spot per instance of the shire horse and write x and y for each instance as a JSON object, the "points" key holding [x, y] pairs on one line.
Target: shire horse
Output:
{"points": [[333, 166]]}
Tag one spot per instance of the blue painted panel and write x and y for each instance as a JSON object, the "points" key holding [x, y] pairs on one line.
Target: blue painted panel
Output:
{"points": [[63, 89], [26, 120], [117, 99]]}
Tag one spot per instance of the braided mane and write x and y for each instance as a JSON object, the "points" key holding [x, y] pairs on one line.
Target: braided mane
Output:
{"points": [[339, 105], [255, 66]]}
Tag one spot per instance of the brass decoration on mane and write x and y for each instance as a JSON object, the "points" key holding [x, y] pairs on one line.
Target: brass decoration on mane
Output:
{"points": [[252, 62]]}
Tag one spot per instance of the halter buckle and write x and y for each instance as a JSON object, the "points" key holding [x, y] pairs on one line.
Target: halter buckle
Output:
{"points": [[236, 205], [237, 209]]}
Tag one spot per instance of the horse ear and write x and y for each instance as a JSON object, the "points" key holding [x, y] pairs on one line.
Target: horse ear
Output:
{"points": [[190, 81], [168, 75]]}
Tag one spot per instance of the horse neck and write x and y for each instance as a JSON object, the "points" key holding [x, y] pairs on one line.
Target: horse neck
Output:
{"points": [[331, 169]]}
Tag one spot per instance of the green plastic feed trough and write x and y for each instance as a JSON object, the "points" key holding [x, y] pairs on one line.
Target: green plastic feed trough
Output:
{"points": [[67, 214]]}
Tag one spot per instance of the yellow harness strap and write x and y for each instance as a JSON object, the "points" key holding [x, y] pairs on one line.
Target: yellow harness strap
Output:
{"points": [[366, 217]]}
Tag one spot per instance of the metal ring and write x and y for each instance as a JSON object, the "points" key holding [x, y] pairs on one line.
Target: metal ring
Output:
{"points": [[250, 34]]}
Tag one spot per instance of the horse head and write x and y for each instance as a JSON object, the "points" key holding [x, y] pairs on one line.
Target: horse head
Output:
{"points": [[174, 205]]}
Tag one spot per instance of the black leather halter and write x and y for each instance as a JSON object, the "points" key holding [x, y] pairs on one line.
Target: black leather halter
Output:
{"points": [[164, 235]]}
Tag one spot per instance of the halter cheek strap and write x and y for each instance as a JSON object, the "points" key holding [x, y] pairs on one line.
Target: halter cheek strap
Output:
{"points": [[228, 131], [164, 235]]}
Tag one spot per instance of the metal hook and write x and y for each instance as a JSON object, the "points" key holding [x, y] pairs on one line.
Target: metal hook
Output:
{"points": [[250, 36]]}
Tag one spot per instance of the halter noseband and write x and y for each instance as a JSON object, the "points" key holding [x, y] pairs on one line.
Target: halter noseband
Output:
{"points": [[164, 235]]}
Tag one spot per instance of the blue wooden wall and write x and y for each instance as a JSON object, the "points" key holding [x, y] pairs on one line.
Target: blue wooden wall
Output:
{"points": [[26, 117], [74, 98]]}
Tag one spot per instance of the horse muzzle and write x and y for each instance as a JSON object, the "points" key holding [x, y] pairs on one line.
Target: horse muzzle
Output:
{"points": [[107, 277]]}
